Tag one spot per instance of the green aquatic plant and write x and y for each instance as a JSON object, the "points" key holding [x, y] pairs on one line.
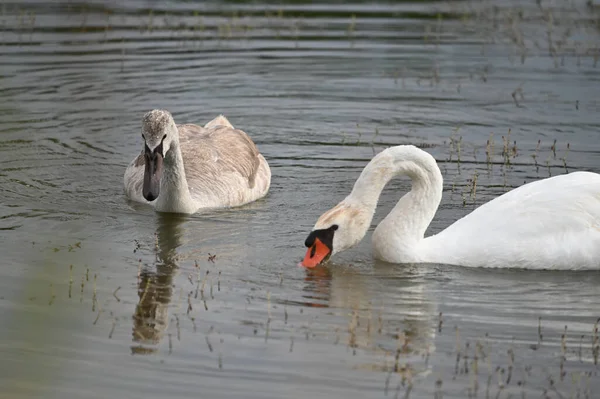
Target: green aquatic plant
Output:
{"points": [[94, 296], [564, 158], [150, 25], [518, 91], [474, 187], [351, 29], [455, 145], [114, 294], [489, 150], [506, 148], [52, 295], [595, 342], [70, 279]]}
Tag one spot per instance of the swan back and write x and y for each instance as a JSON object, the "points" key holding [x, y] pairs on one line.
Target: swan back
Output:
{"points": [[222, 165], [547, 224]]}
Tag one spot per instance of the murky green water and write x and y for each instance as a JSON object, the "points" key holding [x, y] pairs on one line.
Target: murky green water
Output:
{"points": [[102, 298]]}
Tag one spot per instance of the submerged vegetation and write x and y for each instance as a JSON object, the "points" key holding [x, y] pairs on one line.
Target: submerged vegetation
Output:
{"points": [[173, 300], [563, 31], [166, 319]]}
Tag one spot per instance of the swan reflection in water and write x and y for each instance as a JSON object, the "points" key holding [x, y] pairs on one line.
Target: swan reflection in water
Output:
{"points": [[155, 287], [387, 310], [380, 305]]}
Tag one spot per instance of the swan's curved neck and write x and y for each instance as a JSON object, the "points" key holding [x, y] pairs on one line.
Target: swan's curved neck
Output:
{"points": [[174, 191], [397, 237]]}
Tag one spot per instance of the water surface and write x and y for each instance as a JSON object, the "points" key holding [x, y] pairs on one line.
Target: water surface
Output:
{"points": [[101, 298]]}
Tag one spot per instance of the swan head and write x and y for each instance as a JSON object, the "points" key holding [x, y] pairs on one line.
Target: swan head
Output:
{"points": [[158, 131], [338, 229]]}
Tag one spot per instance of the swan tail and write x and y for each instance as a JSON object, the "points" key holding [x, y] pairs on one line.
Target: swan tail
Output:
{"points": [[219, 121]]}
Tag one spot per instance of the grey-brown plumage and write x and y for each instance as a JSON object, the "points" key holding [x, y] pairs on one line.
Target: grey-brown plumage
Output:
{"points": [[211, 166]]}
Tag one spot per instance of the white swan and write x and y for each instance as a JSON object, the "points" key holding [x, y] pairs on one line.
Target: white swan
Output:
{"points": [[184, 168], [548, 224]]}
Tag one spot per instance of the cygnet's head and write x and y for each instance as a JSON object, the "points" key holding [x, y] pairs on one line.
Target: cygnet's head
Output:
{"points": [[158, 131]]}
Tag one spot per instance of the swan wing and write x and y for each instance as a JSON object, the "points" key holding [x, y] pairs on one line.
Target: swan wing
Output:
{"points": [[554, 221], [133, 179], [220, 161], [560, 203]]}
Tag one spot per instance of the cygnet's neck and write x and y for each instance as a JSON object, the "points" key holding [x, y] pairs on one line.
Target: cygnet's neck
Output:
{"points": [[174, 191]]}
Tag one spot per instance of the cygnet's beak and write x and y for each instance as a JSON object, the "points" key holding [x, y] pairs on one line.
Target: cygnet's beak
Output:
{"points": [[152, 172]]}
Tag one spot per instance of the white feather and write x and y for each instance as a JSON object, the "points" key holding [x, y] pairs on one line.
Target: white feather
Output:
{"points": [[548, 224]]}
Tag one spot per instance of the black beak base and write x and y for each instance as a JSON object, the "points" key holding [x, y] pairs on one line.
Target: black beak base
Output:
{"points": [[324, 235]]}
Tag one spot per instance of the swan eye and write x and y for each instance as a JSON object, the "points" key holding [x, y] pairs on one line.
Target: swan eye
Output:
{"points": [[334, 227], [164, 137]]}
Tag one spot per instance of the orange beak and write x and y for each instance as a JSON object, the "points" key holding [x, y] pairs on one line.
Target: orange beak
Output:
{"points": [[316, 254]]}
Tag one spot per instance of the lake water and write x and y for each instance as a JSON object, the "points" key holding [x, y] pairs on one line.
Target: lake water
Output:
{"points": [[103, 298]]}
